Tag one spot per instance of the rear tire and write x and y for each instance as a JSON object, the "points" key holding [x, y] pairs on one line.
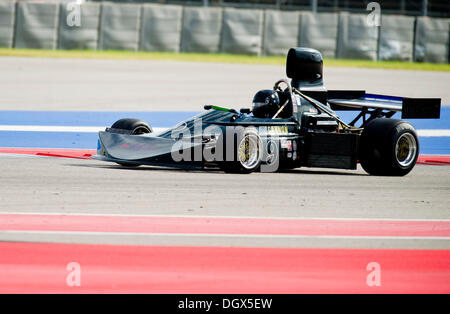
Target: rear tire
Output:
{"points": [[133, 127], [388, 147]]}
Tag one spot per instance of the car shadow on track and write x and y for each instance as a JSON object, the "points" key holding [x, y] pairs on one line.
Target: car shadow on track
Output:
{"points": [[147, 168], [329, 172], [324, 172]]}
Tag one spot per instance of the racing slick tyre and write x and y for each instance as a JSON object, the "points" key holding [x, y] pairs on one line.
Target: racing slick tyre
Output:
{"points": [[133, 127], [247, 155], [388, 147]]}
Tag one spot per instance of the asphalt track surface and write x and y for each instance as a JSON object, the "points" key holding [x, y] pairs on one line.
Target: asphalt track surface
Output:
{"points": [[112, 85], [161, 230]]}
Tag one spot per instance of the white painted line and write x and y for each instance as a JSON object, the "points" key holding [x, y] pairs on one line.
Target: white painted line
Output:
{"points": [[219, 235], [22, 155], [221, 217], [50, 148], [53, 128], [433, 133]]}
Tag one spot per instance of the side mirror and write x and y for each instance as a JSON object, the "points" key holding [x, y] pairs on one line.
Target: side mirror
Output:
{"points": [[246, 110]]}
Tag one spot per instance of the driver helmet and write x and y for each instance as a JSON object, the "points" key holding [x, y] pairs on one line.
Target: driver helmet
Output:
{"points": [[266, 103]]}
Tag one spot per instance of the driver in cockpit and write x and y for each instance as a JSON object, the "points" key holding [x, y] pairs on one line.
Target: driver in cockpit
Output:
{"points": [[271, 104]]}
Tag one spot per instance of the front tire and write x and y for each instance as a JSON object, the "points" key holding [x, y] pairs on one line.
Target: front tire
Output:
{"points": [[132, 127], [388, 147]]}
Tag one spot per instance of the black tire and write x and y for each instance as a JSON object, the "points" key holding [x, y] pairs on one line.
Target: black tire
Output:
{"points": [[252, 163], [133, 127], [388, 147]]}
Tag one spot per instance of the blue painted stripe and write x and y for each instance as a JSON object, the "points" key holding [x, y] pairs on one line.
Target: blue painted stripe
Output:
{"points": [[434, 145], [48, 140], [91, 118]]}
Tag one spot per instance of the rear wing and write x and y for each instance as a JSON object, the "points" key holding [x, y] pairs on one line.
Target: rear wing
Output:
{"points": [[411, 108]]}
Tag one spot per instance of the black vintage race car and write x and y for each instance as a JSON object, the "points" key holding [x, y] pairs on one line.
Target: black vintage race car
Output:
{"points": [[294, 125]]}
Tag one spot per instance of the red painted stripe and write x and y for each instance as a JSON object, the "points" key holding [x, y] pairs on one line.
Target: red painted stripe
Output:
{"points": [[53, 152], [41, 268], [203, 225], [434, 159]]}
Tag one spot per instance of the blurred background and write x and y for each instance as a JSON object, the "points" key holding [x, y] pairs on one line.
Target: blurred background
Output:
{"points": [[344, 29], [438, 8]]}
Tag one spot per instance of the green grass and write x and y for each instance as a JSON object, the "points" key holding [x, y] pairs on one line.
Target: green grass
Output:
{"points": [[216, 58]]}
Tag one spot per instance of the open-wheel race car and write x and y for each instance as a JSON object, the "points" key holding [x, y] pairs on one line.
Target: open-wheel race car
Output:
{"points": [[293, 125]]}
